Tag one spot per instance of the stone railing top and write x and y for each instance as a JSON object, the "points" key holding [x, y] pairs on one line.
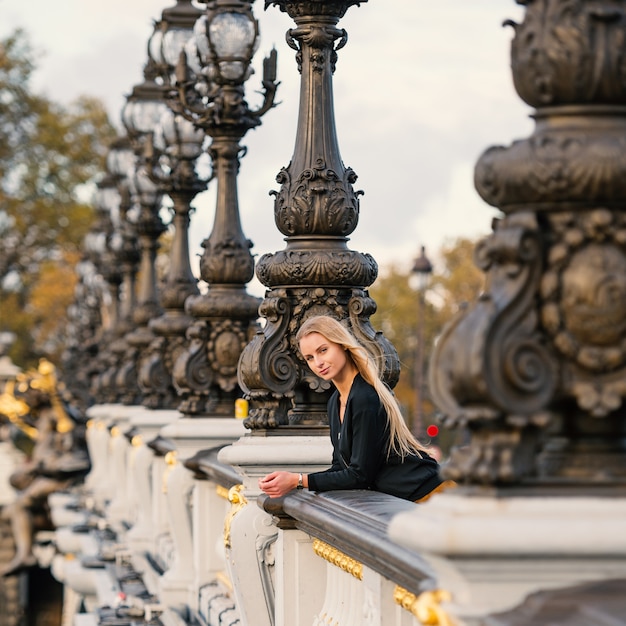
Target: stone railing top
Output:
{"points": [[102, 411], [355, 522], [153, 418], [161, 446], [205, 466]]}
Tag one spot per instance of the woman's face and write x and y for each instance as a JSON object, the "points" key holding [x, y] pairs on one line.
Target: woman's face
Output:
{"points": [[326, 358]]}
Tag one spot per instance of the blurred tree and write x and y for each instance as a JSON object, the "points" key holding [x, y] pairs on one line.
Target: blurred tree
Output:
{"points": [[455, 281], [459, 281], [49, 155]]}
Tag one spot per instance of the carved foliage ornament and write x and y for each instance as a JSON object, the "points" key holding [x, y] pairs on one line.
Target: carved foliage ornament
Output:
{"points": [[570, 52], [318, 201]]}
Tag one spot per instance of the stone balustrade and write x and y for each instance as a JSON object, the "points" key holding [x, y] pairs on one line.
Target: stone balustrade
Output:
{"points": [[197, 543], [208, 550]]}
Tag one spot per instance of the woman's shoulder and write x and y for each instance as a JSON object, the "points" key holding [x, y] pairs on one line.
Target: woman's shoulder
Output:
{"points": [[362, 391], [360, 383]]}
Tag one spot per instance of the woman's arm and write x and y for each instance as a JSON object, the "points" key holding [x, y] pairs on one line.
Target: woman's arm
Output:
{"points": [[277, 484]]}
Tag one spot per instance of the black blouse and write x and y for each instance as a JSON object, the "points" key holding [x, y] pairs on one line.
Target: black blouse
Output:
{"points": [[360, 445]]}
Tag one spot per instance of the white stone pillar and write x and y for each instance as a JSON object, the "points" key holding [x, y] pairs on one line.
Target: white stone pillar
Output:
{"points": [[175, 584], [99, 483], [300, 579], [252, 534], [146, 424], [140, 537], [178, 585]]}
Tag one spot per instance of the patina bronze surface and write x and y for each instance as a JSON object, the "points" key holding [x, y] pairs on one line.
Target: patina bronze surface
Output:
{"points": [[316, 208], [535, 370]]}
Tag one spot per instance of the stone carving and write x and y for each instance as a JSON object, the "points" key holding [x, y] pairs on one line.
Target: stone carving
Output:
{"points": [[534, 370], [570, 52], [500, 379]]}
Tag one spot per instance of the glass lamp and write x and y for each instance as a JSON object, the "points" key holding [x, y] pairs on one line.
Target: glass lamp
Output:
{"points": [[227, 37], [170, 37], [142, 111], [178, 137], [143, 188], [120, 158], [108, 199]]}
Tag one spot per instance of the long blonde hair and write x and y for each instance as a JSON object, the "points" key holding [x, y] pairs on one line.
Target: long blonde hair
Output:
{"points": [[401, 440]]}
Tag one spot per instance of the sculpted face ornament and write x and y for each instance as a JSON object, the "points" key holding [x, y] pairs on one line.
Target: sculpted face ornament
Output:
{"points": [[594, 296], [584, 291]]}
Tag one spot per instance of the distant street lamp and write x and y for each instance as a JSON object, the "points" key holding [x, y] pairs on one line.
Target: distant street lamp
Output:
{"points": [[422, 268]]}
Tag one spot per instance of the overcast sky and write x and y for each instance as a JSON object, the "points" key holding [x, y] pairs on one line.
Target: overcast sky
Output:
{"points": [[421, 89]]}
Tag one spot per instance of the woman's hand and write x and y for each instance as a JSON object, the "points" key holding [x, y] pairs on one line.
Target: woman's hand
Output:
{"points": [[277, 484]]}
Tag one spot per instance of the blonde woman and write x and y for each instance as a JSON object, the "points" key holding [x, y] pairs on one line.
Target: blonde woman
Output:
{"points": [[372, 445]]}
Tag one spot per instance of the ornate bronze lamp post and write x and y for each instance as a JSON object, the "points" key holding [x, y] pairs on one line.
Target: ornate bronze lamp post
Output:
{"points": [[210, 80], [93, 312], [108, 203], [180, 143], [141, 113], [316, 209], [122, 253], [171, 158]]}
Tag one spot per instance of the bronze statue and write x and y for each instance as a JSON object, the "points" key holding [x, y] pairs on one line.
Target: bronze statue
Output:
{"points": [[58, 458]]}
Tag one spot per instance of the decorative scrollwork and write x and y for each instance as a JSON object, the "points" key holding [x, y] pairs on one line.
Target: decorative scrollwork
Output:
{"points": [[491, 371], [267, 370], [573, 164], [360, 308], [154, 378], [192, 373]]}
